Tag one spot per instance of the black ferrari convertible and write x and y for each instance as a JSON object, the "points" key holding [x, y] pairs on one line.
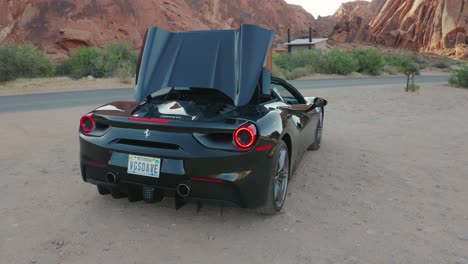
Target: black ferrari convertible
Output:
{"points": [[209, 123]]}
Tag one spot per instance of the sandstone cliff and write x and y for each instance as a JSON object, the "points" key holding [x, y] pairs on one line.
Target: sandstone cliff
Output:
{"points": [[427, 25], [352, 21], [61, 25]]}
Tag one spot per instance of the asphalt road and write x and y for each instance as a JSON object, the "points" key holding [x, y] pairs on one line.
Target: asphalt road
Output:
{"points": [[45, 101]]}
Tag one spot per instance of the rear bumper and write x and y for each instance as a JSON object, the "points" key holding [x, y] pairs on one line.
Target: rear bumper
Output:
{"points": [[242, 178]]}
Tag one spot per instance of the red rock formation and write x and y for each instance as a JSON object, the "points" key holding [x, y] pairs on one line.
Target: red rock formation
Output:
{"points": [[429, 25], [61, 25], [352, 20]]}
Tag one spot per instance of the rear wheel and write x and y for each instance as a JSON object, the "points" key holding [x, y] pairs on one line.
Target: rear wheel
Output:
{"points": [[318, 134], [278, 185]]}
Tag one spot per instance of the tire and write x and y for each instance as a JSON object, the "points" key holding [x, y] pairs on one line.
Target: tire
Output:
{"points": [[278, 183], [103, 190], [318, 134]]}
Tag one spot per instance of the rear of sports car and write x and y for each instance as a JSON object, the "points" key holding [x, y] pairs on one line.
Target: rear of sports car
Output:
{"points": [[201, 139], [141, 151]]}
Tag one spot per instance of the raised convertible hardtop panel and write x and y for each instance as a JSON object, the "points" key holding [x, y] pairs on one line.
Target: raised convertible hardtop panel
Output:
{"points": [[231, 61]]}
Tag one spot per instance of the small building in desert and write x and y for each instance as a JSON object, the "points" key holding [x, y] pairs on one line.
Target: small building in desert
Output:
{"points": [[304, 44]]}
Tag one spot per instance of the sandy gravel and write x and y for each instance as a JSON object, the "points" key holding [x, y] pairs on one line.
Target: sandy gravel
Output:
{"points": [[64, 84], [424, 72], [58, 84], [390, 185]]}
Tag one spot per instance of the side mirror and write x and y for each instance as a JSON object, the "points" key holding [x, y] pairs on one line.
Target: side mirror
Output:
{"points": [[318, 102]]}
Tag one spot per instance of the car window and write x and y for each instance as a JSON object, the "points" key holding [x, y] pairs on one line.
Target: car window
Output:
{"points": [[288, 97]]}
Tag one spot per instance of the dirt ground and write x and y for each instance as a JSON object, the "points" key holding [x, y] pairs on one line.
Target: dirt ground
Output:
{"points": [[58, 84], [389, 185], [64, 84]]}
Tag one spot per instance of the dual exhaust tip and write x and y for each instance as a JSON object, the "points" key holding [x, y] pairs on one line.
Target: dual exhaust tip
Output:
{"points": [[112, 178], [183, 190]]}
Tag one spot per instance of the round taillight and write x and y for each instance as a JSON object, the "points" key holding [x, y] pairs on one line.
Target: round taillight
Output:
{"points": [[245, 136], [87, 123]]}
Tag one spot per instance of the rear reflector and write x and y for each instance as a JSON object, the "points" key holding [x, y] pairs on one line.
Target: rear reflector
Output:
{"points": [[264, 148], [95, 164], [149, 120], [207, 180]]}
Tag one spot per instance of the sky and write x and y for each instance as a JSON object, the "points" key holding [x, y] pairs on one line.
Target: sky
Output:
{"points": [[319, 7]]}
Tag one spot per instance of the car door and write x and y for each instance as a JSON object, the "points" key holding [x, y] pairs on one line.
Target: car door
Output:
{"points": [[299, 111]]}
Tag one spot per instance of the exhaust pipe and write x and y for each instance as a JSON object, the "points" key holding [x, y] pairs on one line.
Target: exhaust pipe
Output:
{"points": [[111, 178], [183, 190]]}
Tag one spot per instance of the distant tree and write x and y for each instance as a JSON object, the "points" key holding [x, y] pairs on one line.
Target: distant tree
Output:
{"points": [[411, 70]]}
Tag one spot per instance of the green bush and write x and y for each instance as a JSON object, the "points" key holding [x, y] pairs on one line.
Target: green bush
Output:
{"points": [[403, 64], [85, 61], [102, 63], [298, 73], [302, 63], [396, 61], [277, 71], [298, 64], [411, 68], [340, 62], [33, 62], [63, 68], [369, 61], [460, 78], [24, 61], [414, 88], [441, 64], [8, 63], [125, 72], [299, 59], [118, 53], [390, 70]]}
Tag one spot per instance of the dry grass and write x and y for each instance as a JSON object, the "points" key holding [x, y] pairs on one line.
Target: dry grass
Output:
{"points": [[58, 84]]}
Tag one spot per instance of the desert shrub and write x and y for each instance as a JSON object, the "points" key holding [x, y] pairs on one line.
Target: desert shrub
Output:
{"points": [[24, 61], [335, 61], [298, 72], [84, 62], [396, 61], [299, 59], [369, 61], [63, 68], [390, 70], [414, 88], [125, 72], [340, 62], [421, 60], [100, 63], [459, 77], [403, 64], [315, 61], [277, 71], [120, 53], [33, 62], [7, 63], [441, 64], [410, 68]]}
